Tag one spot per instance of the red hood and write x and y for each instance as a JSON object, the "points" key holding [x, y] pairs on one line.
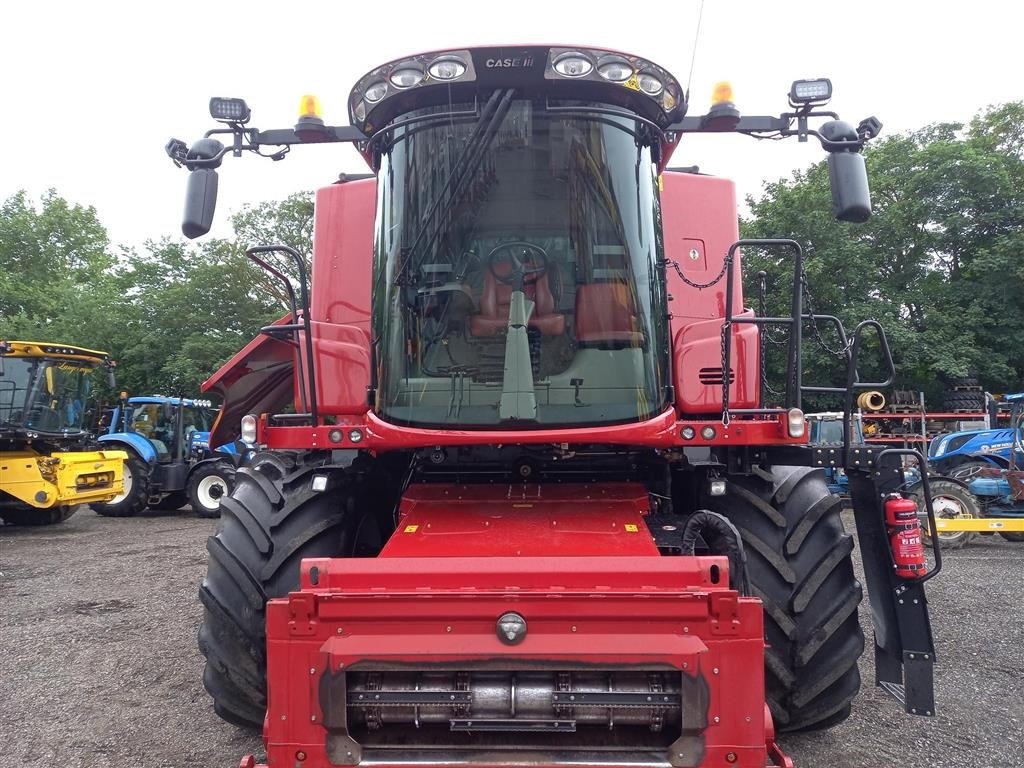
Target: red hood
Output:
{"points": [[257, 379]]}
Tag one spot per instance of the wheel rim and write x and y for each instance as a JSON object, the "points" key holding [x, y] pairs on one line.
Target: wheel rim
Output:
{"points": [[210, 490], [127, 478], [950, 508]]}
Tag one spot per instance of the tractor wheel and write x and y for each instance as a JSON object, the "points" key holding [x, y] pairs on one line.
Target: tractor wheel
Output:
{"points": [[949, 500], [799, 562], [135, 496], [268, 524], [26, 515], [173, 501], [208, 485]]}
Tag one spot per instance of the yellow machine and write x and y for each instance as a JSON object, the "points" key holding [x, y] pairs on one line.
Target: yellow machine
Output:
{"points": [[46, 469]]}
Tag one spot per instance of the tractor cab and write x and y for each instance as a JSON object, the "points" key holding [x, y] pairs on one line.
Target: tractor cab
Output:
{"points": [[45, 389], [157, 420]]}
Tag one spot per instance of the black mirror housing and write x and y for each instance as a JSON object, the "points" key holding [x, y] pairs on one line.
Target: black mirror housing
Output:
{"points": [[848, 177], [200, 203]]}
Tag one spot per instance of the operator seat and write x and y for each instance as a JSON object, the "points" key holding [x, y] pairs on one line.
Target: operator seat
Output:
{"points": [[495, 300], [606, 316]]}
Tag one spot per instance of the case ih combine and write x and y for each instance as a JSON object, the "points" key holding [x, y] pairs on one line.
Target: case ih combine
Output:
{"points": [[531, 507]]}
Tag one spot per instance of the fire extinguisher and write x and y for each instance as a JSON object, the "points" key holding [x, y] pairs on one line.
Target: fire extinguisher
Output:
{"points": [[905, 537]]}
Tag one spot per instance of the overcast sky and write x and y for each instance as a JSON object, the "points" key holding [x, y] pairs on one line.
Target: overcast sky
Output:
{"points": [[92, 91]]}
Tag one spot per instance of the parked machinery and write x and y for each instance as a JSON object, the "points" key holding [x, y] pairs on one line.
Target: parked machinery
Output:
{"points": [[991, 463], [170, 458], [530, 507], [49, 463]]}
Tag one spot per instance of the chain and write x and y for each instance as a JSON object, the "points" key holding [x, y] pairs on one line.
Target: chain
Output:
{"points": [[725, 266], [839, 353], [766, 336], [726, 332]]}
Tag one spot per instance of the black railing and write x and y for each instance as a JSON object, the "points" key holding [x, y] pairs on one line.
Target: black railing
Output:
{"points": [[307, 394]]}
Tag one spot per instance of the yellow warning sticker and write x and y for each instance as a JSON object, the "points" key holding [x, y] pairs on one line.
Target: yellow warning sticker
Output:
{"points": [[631, 528], [411, 528]]}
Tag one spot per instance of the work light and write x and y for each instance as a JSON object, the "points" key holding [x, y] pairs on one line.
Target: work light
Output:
{"points": [[815, 92], [229, 110]]}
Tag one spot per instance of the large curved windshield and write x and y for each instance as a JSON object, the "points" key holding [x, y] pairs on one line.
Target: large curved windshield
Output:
{"points": [[516, 271], [44, 395]]}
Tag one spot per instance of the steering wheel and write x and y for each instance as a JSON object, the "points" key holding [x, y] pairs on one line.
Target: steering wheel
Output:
{"points": [[528, 260]]}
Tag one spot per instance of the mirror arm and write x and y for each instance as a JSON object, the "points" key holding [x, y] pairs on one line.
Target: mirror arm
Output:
{"points": [[253, 139], [781, 126]]}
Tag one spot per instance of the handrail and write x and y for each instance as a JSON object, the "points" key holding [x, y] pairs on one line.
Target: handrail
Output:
{"points": [[793, 372], [306, 325]]}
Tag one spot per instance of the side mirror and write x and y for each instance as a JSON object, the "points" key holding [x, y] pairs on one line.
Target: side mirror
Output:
{"points": [[848, 176], [200, 202], [847, 173]]}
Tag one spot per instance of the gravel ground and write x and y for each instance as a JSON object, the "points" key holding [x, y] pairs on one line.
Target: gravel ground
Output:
{"points": [[99, 665]]}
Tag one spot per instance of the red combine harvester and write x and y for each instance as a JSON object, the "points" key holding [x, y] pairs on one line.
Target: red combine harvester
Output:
{"points": [[531, 506]]}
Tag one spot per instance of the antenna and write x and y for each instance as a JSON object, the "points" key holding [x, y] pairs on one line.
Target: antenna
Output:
{"points": [[693, 58]]}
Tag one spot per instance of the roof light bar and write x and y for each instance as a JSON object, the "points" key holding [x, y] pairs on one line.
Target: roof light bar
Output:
{"points": [[468, 75]]}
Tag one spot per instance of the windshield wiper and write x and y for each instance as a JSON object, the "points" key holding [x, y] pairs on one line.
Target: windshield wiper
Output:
{"points": [[486, 128]]}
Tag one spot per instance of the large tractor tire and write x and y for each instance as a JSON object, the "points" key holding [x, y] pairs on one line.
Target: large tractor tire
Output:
{"points": [[269, 523], [135, 496], [207, 485], [26, 515], [799, 562]]}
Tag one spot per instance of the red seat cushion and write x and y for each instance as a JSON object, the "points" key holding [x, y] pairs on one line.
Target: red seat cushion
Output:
{"points": [[606, 316]]}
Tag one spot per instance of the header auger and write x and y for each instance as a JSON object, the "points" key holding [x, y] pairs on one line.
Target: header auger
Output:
{"points": [[531, 505]]}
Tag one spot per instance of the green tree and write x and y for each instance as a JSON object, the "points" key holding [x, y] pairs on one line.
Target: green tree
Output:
{"points": [[55, 270], [288, 222], [939, 262], [184, 312]]}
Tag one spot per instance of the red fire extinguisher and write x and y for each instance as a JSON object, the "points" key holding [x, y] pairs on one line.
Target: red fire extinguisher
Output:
{"points": [[905, 537]]}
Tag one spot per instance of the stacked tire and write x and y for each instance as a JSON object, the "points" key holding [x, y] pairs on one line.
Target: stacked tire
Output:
{"points": [[964, 394]]}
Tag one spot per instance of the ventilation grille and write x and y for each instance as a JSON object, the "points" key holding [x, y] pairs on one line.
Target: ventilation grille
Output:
{"points": [[712, 376]]}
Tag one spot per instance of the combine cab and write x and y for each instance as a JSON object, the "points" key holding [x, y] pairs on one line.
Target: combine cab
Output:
{"points": [[47, 467], [531, 506]]}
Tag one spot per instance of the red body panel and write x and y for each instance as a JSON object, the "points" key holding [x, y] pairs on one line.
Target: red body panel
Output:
{"points": [[424, 604], [575, 520], [340, 300], [700, 223], [343, 253], [663, 431]]}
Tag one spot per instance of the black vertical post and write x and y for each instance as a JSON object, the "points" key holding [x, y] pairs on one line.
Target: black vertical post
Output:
{"points": [[794, 381]]}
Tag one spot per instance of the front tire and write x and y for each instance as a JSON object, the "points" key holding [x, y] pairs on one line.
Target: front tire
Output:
{"points": [[208, 485], [135, 496], [267, 526], [26, 515], [799, 562]]}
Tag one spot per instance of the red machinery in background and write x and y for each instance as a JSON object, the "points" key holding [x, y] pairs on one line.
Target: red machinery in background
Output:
{"points": [[531, 505]]}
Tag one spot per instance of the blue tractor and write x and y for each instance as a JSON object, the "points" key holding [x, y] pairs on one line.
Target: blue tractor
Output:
{"points": [[170, 461], [952, 498], [989, 447], [991, 463]]}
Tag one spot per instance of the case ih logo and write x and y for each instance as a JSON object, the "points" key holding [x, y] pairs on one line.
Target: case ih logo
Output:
{"points": [[511, 628], [518, 62]]}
